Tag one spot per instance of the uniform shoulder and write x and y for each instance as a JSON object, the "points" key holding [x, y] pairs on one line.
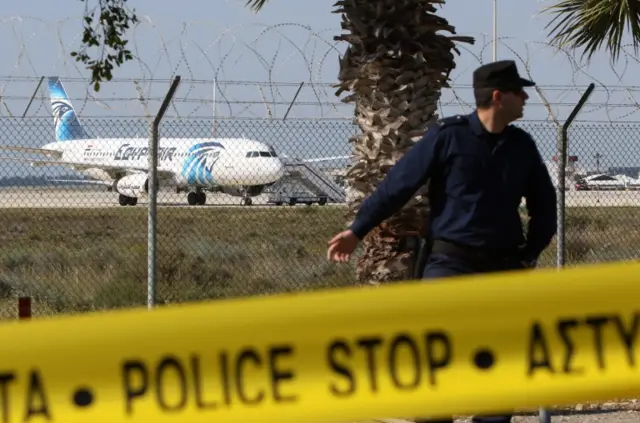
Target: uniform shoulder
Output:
{"points": [[519, 132], [456, 120], [447, 123]]}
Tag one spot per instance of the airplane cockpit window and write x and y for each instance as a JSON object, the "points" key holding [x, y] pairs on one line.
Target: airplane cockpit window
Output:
{"points": [[265, 154]]}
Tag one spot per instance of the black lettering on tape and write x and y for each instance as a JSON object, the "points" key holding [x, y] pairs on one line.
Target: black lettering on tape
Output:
{"points": [[5, 380], [388, 356], [36, 402], [196, 373], [179, 382], [435, 361], [252, 355], [369, 344], [538, 356], [168, 366], [132, 390], [278, 374], [565, 327], [410, 345], [224, 374], [36, 398], [334, 352], [596, 323], [628, 335]]}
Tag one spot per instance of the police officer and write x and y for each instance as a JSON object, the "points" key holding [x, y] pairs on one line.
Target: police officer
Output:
{"points": [[480, 166]]}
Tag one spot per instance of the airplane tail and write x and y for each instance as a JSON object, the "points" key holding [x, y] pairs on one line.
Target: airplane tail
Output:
{"points": [[67, 126]]}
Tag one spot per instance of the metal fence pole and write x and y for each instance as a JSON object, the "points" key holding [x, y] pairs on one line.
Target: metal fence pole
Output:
{"points": [[544, 416], [561, 151], [153, 198], [562, 164]]}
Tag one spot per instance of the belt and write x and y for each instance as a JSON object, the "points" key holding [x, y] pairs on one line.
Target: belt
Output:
{"points": [[476, 254], [408, 243]]}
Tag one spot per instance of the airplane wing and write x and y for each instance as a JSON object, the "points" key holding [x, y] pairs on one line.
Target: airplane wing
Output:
{"points": [[54, 153], [81, 181], [313, 160], [325, 159], [82, 166]]}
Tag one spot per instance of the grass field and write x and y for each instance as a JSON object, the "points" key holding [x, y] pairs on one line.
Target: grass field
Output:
{"points": [[79, 260]]}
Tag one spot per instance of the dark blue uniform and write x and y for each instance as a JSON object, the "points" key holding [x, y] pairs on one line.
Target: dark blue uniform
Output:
{"points": [[477, 182]]}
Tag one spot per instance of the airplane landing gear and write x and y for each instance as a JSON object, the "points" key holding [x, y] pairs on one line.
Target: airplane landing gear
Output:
{"points": [[197, 198], [246, 201], [127, 201]]}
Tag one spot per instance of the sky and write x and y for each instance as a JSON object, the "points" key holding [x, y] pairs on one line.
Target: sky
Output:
{"points": [[260, 60]]}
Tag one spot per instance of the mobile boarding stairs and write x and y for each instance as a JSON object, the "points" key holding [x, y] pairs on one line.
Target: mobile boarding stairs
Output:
{"points": [[302, 183]]}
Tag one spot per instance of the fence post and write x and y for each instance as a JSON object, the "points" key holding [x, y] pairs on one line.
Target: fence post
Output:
{"points": [[561, 151], [562, 164], [153, 198], [33, 96], [561, 147]]}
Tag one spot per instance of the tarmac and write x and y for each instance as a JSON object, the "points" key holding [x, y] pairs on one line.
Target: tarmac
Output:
{"points": [[73, 197]]}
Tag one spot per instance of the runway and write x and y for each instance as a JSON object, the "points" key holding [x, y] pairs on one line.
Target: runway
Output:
{"points": [[90, 197]]}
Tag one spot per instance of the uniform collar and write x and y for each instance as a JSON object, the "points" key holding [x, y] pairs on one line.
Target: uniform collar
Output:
{"points": [[476, 125]]}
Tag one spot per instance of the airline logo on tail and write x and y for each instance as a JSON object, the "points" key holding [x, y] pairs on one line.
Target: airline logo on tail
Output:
{"points": [[197, 168], [67, 126]]}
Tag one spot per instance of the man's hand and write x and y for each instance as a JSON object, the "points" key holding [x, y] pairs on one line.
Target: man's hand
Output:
{"points": [[342, 246]]}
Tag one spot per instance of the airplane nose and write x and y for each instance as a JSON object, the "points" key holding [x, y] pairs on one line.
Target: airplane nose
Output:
{"points": [[273, 170], [279, 169]]}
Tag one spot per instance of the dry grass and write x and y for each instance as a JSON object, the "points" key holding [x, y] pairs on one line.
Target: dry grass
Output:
{"points": [[598, 234], [78, 260]]}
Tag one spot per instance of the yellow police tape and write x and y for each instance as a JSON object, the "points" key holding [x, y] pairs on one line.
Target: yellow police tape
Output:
{"points": [[473, 345]]}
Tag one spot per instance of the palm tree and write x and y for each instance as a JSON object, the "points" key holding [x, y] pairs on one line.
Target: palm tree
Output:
{"points": [[395, 65], [590, 24]]}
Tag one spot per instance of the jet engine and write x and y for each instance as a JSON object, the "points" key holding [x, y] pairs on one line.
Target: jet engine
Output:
{"points": [[132, 185]]}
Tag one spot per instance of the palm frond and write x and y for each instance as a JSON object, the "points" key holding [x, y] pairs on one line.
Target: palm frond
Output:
{"points": [[590, 24], [256, 5]]}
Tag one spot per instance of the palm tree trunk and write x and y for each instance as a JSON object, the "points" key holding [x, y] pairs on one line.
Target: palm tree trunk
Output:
{"points": [[395, 67]]}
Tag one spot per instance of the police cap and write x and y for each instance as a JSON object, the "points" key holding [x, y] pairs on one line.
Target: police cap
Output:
{"points": [[502, 74]]}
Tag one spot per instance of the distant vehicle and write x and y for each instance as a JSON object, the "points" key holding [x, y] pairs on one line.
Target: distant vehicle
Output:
{"points": [[296, 197], [602, 182]]}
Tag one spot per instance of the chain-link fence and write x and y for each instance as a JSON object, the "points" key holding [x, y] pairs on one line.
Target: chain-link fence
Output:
{"points": [[70, 244]]}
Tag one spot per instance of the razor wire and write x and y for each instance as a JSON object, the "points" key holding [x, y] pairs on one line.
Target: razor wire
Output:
{"points": [[286, 70], [196, 60], [615, 99]]}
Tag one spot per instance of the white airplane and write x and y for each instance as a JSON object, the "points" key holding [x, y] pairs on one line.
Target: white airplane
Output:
{"points": [[235, 166]]}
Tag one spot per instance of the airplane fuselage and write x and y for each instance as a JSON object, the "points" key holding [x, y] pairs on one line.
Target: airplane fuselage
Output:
{"points": [[231, 162]]}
